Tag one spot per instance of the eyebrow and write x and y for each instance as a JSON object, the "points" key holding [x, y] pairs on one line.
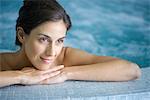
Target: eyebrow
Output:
{"points": [[50, 37]]}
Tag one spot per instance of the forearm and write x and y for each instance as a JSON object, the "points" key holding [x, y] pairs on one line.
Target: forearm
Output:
{"points": [[9, 78], [117, 70]]}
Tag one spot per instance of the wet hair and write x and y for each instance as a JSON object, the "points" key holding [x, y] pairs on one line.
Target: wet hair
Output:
{"points": [[36, 12]]}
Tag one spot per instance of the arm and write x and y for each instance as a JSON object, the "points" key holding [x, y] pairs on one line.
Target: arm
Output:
{"points": [[9, 78], [85, 66], [115, 70], [80, 65], [27, 77]]}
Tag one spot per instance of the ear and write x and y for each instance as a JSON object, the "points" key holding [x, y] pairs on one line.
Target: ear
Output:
{"points": [[21, 34]]}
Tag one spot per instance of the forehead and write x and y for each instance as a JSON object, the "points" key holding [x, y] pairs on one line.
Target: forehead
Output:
{"points": [[52, 29]]}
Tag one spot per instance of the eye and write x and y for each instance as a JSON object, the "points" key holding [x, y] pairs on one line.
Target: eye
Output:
{"points": [[60, 41], [43, 40]]}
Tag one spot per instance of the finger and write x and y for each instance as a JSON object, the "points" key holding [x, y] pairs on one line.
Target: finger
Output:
{"points": [[46, 76], [27, 69], [53, 69], [44, 82], [56, 68], [53, 80], [47, 81]]}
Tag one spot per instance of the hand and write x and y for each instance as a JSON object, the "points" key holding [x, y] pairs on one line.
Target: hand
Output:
{"points": [[34, 76], [61, 77]]}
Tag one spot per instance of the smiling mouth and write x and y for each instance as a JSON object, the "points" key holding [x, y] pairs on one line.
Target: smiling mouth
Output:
{"points": [[46, 60]]}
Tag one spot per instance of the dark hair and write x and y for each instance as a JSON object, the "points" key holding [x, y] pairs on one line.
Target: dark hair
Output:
{"points": [[36, 12]]}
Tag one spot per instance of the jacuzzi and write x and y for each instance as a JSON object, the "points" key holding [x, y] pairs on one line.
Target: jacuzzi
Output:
{"points": [[103, 27]]}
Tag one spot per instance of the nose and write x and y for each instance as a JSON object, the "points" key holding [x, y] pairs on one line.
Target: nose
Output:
{"points": [[50, 51]]}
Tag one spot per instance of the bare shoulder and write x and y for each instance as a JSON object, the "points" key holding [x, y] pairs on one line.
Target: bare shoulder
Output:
{"points": [[73, 56], [3, 60], [0, 61], [61, 56], [77, 53]]}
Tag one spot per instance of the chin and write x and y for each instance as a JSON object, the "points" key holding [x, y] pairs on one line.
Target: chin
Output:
{"points": [[43, 67]]}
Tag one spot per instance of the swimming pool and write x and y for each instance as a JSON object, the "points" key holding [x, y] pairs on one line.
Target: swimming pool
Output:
{"points": [[118, 28], [103, 27]]}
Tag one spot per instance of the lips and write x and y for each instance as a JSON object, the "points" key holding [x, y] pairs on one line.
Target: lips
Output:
{"points": [[46, 60]]}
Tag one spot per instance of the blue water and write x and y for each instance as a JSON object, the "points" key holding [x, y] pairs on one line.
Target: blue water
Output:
{"points": [[119, 28]]}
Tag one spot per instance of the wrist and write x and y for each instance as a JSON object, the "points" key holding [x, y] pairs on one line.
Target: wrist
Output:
{"points": [[18, 77], [68, 73]]}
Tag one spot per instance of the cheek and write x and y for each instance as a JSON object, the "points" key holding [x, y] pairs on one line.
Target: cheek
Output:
{"points": [[58, 49], [33, 49]]}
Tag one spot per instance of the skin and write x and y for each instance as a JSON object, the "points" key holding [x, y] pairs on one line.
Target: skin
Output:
{"points": [[42, 59], [45, 42]]}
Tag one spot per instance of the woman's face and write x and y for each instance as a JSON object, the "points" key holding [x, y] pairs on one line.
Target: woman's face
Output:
{"points": [[45, 43]]}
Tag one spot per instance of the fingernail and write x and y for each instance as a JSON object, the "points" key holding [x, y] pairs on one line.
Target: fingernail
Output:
{"points": [[62, 66], [58, 72]]}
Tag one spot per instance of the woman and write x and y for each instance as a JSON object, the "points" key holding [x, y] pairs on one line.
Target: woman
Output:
{"points": [[40, 31]]}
